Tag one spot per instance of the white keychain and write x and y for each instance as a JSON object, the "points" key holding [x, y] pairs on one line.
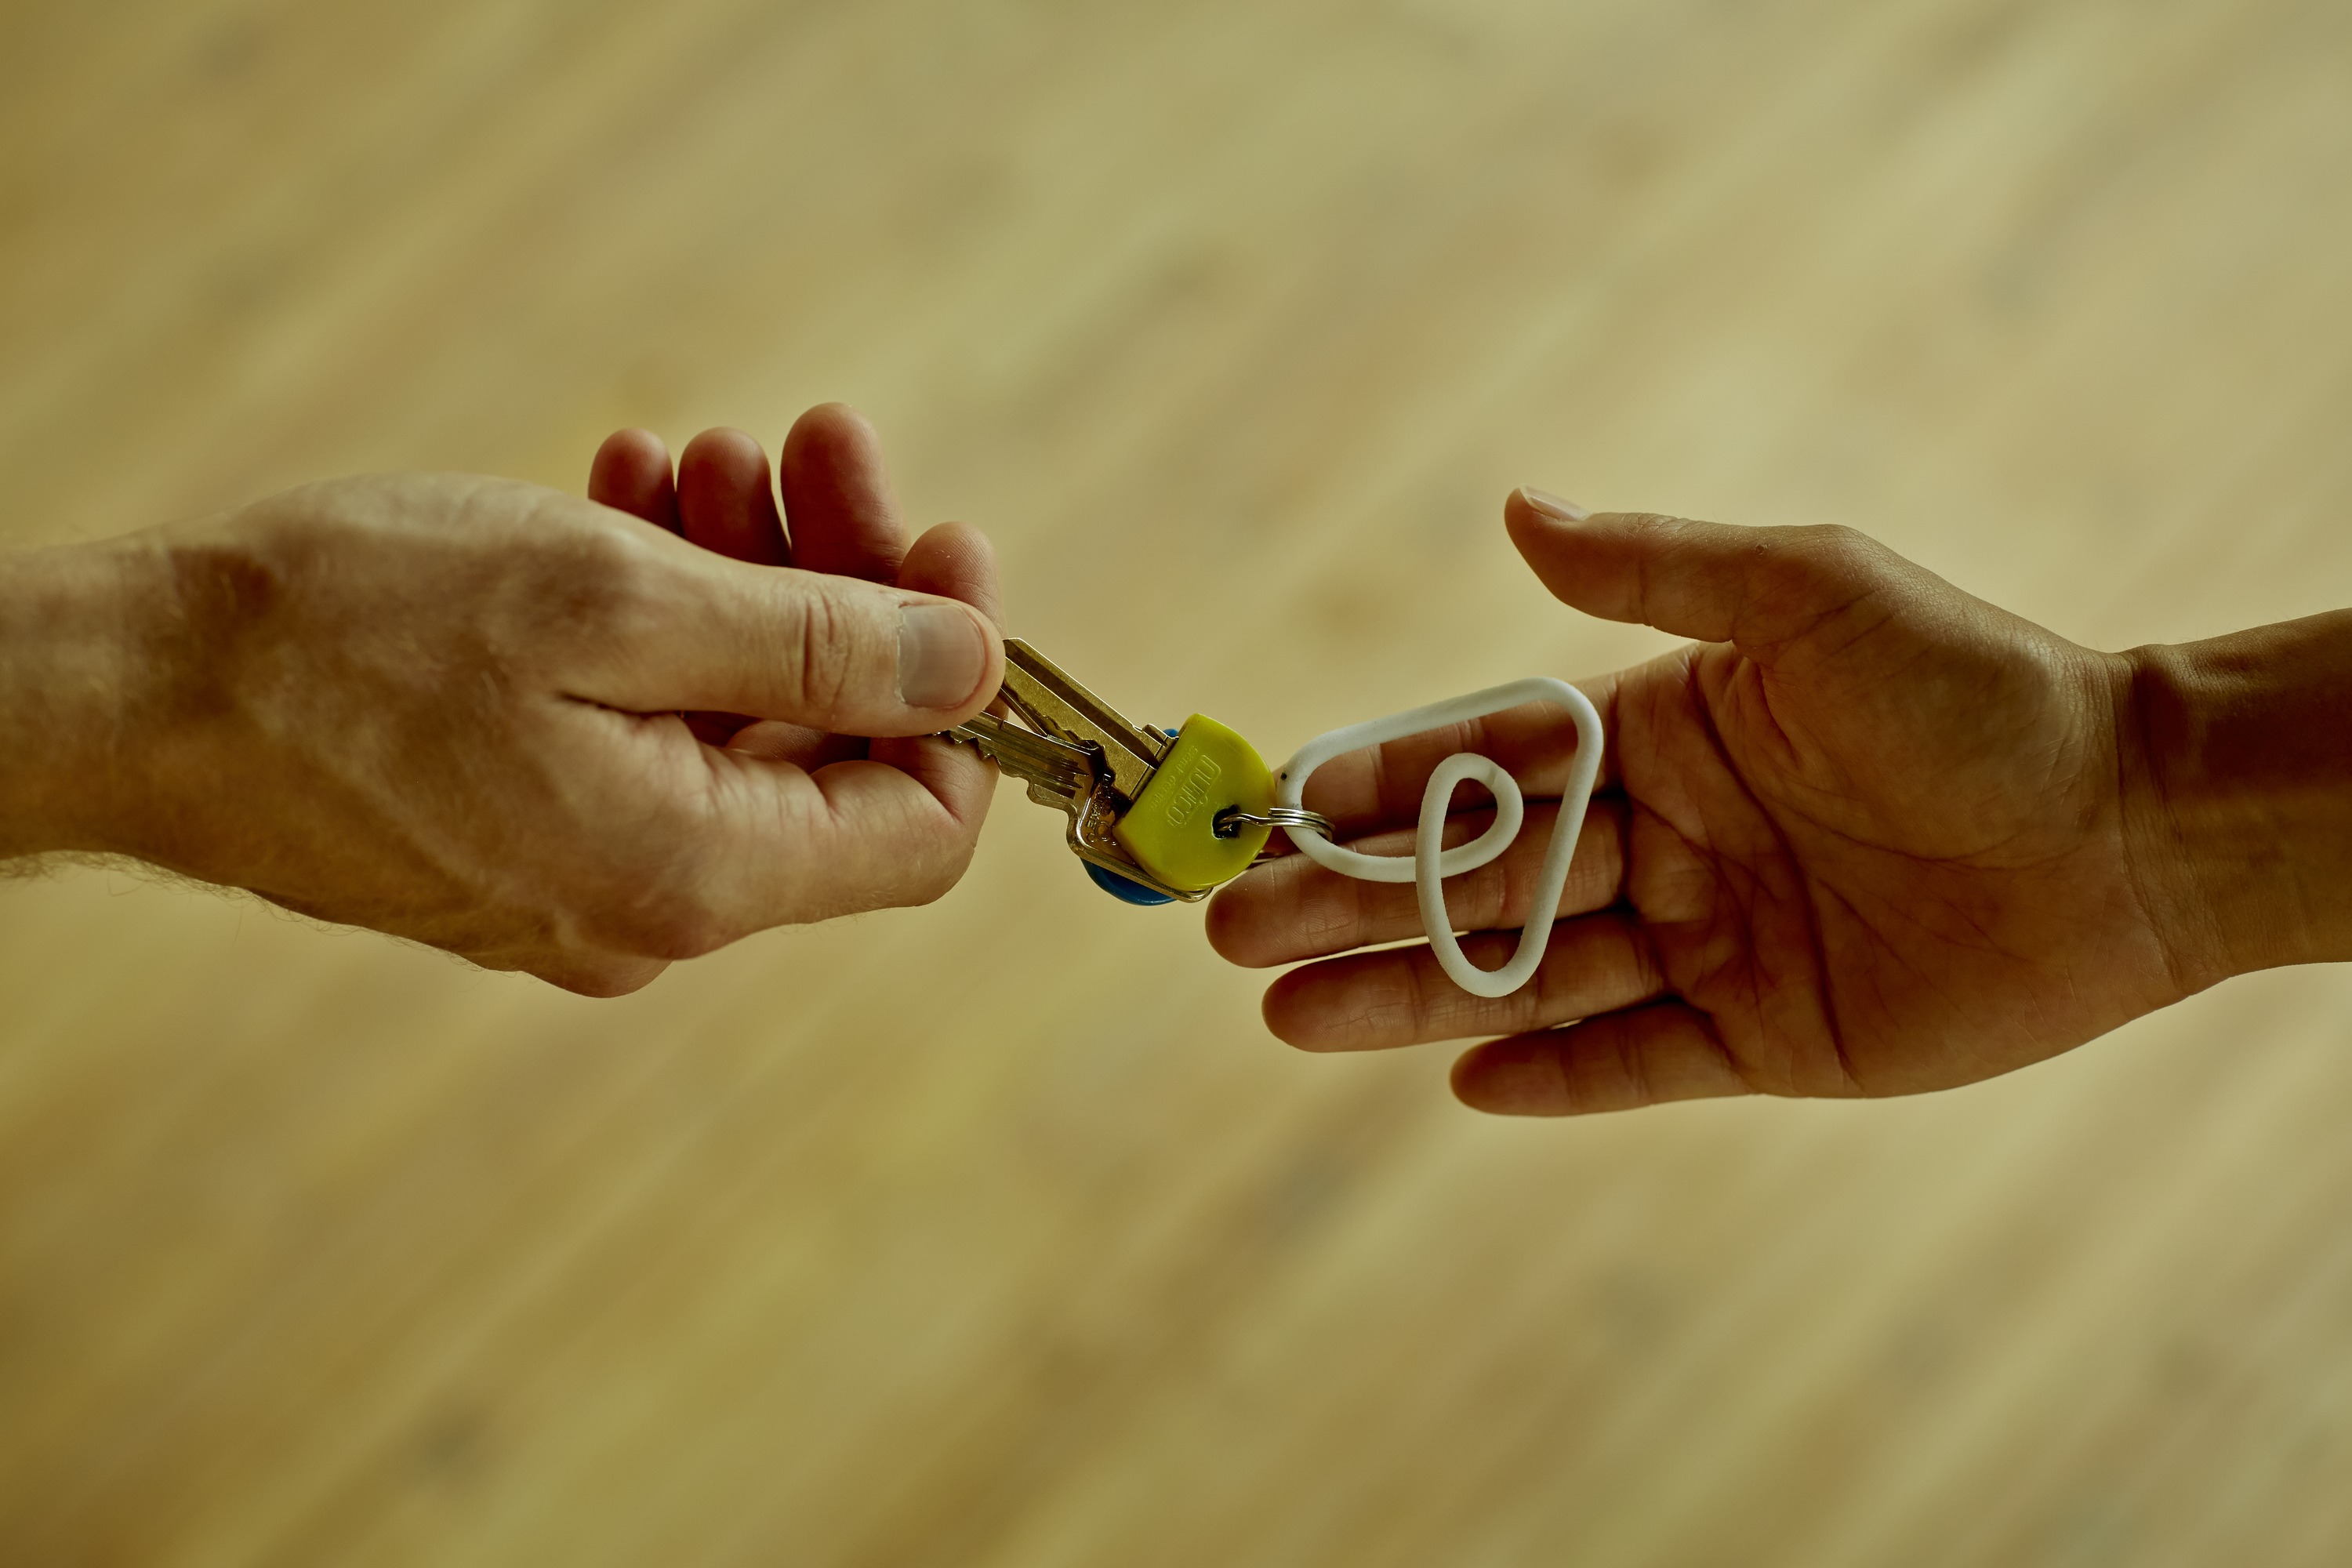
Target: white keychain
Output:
{"points": [[1430, 864], [1162, 815]]}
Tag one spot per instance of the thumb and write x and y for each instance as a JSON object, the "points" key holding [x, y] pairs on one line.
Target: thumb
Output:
{"points": [[1760, 588], [837, 654]]}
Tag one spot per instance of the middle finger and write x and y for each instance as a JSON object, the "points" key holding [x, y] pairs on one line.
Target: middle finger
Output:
{"points": [[725, 501]]}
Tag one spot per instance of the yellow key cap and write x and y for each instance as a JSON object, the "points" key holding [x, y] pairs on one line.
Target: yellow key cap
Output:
{"points": [[1171, 827]]}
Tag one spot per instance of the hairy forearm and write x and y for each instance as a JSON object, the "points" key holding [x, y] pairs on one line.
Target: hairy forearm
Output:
{"points": [[2239, 768], [70, 669]]}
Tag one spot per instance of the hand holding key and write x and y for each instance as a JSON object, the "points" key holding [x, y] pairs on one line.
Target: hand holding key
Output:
{"points": [[1867, 835], [1155, 818], [448, 707]]}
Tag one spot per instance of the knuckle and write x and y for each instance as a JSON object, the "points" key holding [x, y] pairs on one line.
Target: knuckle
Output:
{"points": [[587, 579], [1651, 521], [1235, 928], [1226, 926], [1798, 565], [1836, 550], [601, 578], [1655, 530], [225, 584], [822, 653]]}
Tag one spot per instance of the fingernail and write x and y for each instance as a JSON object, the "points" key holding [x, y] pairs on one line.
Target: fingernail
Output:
{"points": [[943, 652], [1552, 506]]}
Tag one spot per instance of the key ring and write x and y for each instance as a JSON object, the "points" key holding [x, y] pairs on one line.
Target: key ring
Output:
{"points": [[1430, 863], [1233, 820]]}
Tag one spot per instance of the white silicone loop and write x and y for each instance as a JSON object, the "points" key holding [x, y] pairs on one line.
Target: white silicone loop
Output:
{"points": [[1428, 865]]}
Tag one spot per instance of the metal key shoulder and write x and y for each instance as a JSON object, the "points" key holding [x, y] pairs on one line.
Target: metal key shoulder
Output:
{"points": [[1081, 756]]}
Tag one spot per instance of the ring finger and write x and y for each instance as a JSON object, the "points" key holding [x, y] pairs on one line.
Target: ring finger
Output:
{"points": [[1373, 1000]]}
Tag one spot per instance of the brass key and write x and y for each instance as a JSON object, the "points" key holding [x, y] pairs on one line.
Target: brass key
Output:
{"points": [[1156, 817], [1045, 695], [1083, 757], [1056, 771]]}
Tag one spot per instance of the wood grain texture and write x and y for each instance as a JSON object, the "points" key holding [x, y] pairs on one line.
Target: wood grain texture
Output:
{"points": [[862, 1245]]}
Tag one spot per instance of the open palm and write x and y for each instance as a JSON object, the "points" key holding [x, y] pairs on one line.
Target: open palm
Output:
{"points": [[1867, 835]]}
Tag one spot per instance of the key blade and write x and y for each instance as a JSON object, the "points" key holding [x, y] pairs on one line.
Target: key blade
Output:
{"points": [[1043, 693], [1041, 761]]}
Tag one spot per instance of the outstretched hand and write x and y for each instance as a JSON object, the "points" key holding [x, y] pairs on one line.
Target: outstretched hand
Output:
{"points": [[1865, 836], [524, 727]]}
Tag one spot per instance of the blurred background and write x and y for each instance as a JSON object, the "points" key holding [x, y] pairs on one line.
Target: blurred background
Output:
{"points": [[1000, 1232]]}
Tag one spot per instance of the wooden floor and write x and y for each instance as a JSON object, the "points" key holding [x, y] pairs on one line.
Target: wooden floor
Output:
{"points": [[998, 1233]]}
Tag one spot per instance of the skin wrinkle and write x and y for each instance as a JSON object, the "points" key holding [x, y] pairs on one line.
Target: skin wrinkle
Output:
{"points": [[1560, 1068], [2078, 769], [1984, 942], [1610, 779], [1619, 815], [1606, 947], [822, 677], [920, 880], [1705, 1023], [1330, 927], [1793, 753], [1505, 893], [1855, 639], [1634, 1063], [1497, 885], [1775, 558], [1411, 1000], [1960, 859], [1360, 896], [788, 809], [1653, 970], [1746, 684], [1509, 888], [2131, 720], [1814, 891], [1381, 781], [1541, 997], [1724, 965], [1827, 1010], [1869, 933], [1362, 1022], [645, 901], [1630, 954]]}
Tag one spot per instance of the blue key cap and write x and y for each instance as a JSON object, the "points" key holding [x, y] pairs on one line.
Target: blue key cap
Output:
{"points": [[1121, 888]]}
